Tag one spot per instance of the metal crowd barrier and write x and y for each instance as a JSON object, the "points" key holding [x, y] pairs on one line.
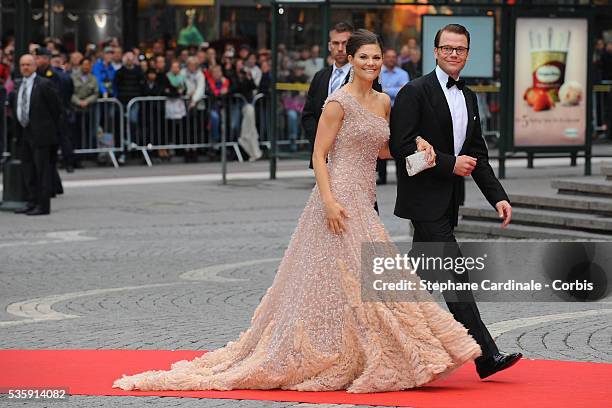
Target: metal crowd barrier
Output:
{"points": [[235, 103], [99, 129], [154, 126], [490, 115], [106, 126], [262, 105]]}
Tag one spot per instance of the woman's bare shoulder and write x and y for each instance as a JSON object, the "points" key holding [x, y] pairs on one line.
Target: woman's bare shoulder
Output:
{"points": [[383, 99]]}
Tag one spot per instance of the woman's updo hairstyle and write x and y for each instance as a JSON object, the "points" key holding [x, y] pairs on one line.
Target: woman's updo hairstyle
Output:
{"points": [[358, 39]]}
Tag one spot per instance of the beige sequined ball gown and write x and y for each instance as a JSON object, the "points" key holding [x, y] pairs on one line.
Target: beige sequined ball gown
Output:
{"points": [[311, 332]]}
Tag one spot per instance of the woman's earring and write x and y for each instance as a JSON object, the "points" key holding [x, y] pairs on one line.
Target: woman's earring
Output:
{"points": [[351, 75], [379, 81]]}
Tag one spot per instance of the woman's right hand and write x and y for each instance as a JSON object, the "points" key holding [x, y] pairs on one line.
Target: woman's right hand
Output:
{"points": [[423, 144], [335, 215]]}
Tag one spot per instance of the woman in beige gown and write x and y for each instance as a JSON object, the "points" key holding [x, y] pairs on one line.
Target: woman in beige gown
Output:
{"points": [[311, 331]]}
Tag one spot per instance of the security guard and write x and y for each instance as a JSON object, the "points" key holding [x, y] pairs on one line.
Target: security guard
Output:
{"points": [[43, 57]]}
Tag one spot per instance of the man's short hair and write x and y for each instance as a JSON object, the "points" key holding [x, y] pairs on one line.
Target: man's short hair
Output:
{"points": [[452, 28], [342, 27]]}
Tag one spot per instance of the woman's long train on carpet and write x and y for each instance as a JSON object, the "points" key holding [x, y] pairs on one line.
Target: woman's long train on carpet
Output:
{"points": [[312, 330]]}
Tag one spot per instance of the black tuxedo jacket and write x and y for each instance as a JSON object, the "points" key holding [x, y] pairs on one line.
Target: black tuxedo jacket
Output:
{"points": [[317, 94], [45, 113], [421, 109]]}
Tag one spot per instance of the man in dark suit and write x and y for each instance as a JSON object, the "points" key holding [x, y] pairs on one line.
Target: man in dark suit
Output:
{"points": [[37, 108], [66, 89], [328, 80], [42, 56], [440, 109]]}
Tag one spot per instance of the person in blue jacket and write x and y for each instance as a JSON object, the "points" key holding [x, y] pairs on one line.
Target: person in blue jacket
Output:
{"points": [[105, 73]]}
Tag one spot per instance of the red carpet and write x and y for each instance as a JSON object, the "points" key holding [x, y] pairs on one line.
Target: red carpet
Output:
{"points": [[530, 383]]}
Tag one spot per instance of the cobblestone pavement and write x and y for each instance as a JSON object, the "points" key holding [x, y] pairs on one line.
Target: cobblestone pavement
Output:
{"points": [[183, 265]]}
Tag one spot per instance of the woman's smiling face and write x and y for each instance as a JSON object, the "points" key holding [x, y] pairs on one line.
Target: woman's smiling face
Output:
{"points": [[367, 61]]}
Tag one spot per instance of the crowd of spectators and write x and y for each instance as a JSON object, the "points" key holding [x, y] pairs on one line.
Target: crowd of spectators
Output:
{"points": [[108, 70]]}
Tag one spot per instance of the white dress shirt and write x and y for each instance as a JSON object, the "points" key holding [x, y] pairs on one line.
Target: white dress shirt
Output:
{"points": [[345, 70], [28, 83], [458, 109]]}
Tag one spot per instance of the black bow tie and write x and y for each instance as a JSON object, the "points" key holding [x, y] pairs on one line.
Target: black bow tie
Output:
{"points": [[451, 82]]}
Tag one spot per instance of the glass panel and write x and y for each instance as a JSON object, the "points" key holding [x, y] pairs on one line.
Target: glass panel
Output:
{"points": [[602, 76]]}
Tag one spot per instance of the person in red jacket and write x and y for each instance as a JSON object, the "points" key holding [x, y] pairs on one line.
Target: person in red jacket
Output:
{"points": [[218, 87]]}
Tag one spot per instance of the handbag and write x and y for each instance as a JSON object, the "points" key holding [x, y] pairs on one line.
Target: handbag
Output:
{"points": [[417, 162]]}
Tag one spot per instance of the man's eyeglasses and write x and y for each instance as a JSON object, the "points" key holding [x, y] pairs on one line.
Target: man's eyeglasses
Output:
{"points": [[448, 50]]}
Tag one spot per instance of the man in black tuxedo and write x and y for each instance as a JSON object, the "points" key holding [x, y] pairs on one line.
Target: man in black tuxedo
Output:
{"points": [[38, 109], [328, 80], [440, 109]]}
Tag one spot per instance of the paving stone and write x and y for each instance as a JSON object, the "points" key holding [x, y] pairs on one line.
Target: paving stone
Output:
{"points": [[122, 276]]}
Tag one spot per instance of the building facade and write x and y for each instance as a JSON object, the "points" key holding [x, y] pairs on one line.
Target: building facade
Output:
{"points": [[78, 22]]}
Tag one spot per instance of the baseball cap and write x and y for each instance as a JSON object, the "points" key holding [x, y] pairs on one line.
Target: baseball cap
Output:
{"points": [[42, 51]]}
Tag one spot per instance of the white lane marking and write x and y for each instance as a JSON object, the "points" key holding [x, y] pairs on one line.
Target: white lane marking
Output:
{"points": [[499, 328], [41, 309], [57, 237], [188, 178], [210, 273], [264, 175], [401, 238]]}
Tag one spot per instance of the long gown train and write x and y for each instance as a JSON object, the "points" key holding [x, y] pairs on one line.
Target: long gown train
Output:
{"points": [[311, 331]]}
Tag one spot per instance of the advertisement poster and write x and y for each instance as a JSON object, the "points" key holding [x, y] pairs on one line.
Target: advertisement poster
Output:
{"points": [[550, 82]]}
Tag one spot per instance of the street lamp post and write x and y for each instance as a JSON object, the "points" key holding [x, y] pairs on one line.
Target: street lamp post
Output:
{"points": [[272, 112]]}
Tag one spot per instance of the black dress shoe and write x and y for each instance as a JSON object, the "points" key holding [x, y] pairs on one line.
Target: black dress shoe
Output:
{"points": [[38, 211], [23, 210], [491, 365]]}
